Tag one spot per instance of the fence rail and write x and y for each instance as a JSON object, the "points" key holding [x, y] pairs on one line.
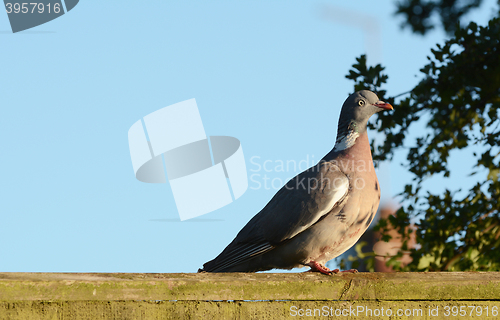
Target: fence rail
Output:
{"points": [[250, 296]]}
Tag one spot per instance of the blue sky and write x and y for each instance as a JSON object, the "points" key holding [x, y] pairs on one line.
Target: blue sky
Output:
{"points": [[270, 73]]}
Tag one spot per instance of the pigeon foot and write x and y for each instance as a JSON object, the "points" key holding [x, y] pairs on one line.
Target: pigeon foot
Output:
{"points": [[318, 267]]}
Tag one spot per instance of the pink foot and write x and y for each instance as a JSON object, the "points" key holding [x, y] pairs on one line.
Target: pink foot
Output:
{"points": [[318, 267]]}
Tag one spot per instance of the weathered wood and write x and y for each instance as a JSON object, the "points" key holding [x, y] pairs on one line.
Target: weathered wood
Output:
{"points": [[239, 295]]}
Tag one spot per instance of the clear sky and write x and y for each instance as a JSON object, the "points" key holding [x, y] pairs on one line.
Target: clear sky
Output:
{"points": [[270, 73]]}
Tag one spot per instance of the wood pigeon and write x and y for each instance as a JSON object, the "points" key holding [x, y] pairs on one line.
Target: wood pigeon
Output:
{"points": [[320, 213]]}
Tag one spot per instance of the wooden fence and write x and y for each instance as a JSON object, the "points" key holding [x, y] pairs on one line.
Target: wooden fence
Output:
{"points": [[51, 296]]}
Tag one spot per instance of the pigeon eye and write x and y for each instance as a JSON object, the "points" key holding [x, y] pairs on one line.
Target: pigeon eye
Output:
{"points": [[361, 102]]}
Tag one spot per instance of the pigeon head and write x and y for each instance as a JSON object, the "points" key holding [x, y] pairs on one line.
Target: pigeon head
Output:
{"points": [[361, 105], [356, 111]]}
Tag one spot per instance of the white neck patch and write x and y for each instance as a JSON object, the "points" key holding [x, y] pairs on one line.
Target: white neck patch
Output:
{"points": [[347, 141]]}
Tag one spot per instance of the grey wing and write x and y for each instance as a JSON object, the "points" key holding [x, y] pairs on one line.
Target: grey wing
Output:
{"points": [[299, 204]]}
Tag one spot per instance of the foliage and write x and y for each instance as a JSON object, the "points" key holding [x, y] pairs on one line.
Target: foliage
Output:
{"points": [[419, 14], [459, 100]]}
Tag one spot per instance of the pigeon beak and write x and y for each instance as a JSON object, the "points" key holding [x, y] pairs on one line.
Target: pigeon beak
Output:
{"points": [[383, 105]]}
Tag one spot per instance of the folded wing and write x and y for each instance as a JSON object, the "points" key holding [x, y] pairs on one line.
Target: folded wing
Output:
{"points": [[299, 204]]}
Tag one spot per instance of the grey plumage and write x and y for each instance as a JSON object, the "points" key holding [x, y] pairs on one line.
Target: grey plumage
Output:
{"points": [[321, 212]]}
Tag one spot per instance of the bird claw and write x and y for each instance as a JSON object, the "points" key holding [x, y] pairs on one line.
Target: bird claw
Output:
{"points": [[318, 267]]}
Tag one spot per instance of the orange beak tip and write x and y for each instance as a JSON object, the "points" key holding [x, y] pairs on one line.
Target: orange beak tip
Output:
{"points": [[384, 105]]}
